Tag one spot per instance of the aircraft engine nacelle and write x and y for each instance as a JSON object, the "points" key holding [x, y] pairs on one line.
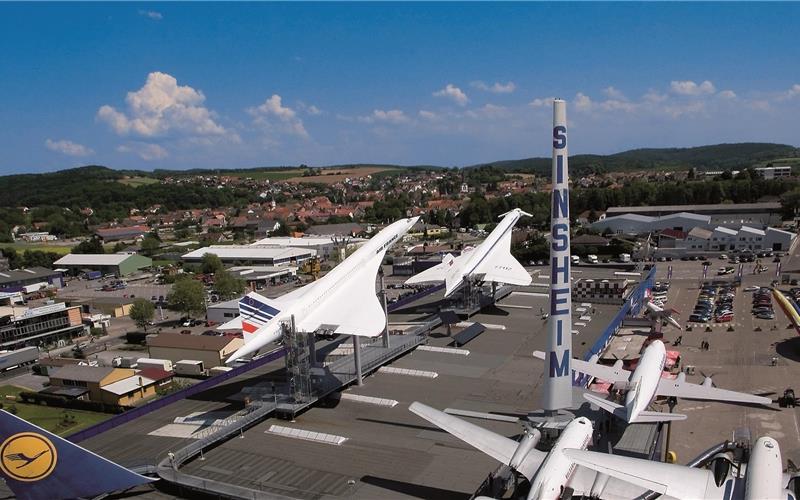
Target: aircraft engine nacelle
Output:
{"points": [[721, 468], [528, 442]]}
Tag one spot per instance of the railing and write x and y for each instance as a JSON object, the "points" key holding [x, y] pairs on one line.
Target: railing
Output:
{"points": [[413, 298], [173, 397]]}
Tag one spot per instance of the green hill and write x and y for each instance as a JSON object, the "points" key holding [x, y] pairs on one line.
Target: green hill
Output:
{"points": [[719, 156]]}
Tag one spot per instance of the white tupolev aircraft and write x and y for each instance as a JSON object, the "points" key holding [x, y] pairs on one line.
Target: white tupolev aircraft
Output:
{"points": [[342, 301], [551, 474], [489, 261], [763, 478], [645, 383]]}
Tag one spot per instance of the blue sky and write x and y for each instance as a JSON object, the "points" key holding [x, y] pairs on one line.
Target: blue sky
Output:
{"points": [[184, 85]]}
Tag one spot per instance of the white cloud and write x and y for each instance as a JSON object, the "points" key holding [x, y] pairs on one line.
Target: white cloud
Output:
{"points": [[654, 97], [393, 116], [613, 93], [541, 102], [583, 102], [794, 91], [162, 107], [308, 109], [496, 88], [690, 88], [146, 151], [727, 94], [68, 148], [454, 93], [156, 16], [428, 115], [286, 117], [489, 111]]}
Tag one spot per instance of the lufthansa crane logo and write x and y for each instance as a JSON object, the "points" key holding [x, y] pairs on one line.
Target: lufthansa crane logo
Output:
{"points": [[28, 456]]}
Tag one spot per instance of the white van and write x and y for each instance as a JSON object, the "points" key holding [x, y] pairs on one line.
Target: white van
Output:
{"points": [[592, 259]]}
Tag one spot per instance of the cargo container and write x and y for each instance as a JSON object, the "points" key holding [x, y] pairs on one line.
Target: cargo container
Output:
{"points": [[190, 368], [163, 364], [218, 370], [120, 362], [20, 357]]}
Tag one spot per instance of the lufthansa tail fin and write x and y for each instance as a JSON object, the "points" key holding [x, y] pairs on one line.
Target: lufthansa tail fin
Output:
{"points": [[38, 465], [255, 311]]}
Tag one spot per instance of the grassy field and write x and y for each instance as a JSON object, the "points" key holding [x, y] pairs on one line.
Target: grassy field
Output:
{"points": [[334, 175], [52, 247], [47, 417], [269, 174], [138, 181]]}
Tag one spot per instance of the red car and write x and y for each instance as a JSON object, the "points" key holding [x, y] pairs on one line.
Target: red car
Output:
{"points": [[724, 318]]}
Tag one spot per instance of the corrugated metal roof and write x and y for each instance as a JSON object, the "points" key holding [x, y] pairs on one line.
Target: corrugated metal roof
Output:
{"points": [[92, 259], [250, 252], [129, 384], [196, 342], [722, 207], [82, 373]]}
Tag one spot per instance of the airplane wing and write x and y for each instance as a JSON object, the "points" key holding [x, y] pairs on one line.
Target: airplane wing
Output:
{"points": [[612, 374], [620, 411], [434, 274], [496, 446], [680, 388], [677, 481], [353, 308], [500, 266]]}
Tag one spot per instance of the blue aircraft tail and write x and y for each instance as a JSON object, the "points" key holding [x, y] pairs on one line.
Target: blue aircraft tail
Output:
{"points": [[38, 465]]}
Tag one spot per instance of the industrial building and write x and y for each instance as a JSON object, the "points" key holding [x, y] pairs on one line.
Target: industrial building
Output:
{"points": [[118, 264], [122, 233], [723, 214], [269, 255], [722, 239], [775, 172], [325, 246], [211, 350], [53, 324], [257, 277], [30, 280], [102, 384], [222, 312], [634, 224]]}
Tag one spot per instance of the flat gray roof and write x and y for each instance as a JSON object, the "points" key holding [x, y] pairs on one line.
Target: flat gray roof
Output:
{"points": [[720, 207]]}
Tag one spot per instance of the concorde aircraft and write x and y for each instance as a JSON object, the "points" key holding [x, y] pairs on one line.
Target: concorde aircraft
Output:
{"points": [[490, 261], [645, 383], [38, 465], [551, 474], [763, 479], [342, 301]]}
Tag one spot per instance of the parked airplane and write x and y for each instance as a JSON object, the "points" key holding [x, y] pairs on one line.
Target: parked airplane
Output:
{"points": [[645, 383], [550, 474], [763, 479], [489, 261], [38, 465], [342, 301], [659, 313]]}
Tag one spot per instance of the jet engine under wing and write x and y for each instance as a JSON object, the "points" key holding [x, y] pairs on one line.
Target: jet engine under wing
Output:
{"points": [[677, 481], [681, 389], [612, 374], [496, 446], [353, 307], [501, 267]]}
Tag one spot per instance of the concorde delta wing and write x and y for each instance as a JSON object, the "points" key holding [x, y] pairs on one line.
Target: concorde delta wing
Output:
{"points": [[501, 267], [353, 307], [680, 388], [434, 274]]}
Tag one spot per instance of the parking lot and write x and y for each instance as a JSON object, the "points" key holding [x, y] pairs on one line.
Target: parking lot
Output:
{"points": [[740, 356]]}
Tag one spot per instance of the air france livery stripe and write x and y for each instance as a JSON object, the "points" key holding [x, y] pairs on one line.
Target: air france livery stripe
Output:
{"points": [[255, 314]]}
